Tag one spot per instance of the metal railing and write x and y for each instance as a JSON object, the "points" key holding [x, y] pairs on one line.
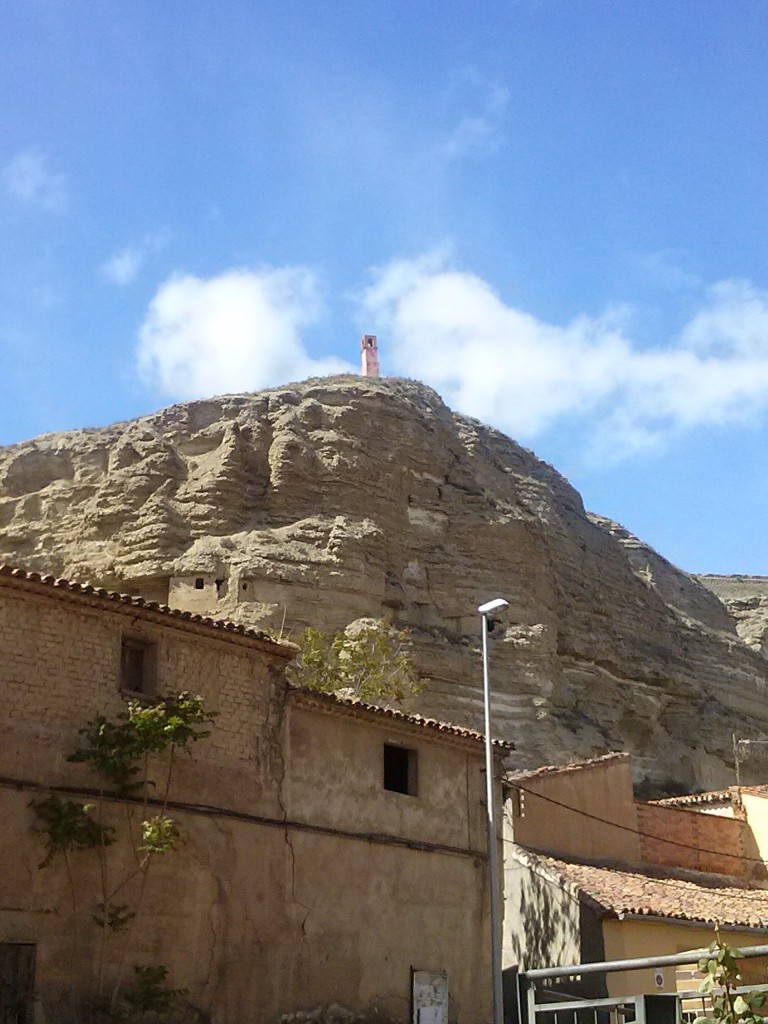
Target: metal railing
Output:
{"points": [[662, 1007], [696, 1004]]}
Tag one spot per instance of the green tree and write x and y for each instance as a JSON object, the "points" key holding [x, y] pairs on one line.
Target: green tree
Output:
{"points": [[121, 753], [372, 663]]}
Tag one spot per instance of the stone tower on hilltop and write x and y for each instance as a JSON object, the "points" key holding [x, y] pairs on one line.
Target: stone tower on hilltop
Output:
{"points": [[370, 356]]}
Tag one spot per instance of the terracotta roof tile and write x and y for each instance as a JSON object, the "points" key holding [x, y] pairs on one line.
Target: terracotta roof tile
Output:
{"points": [[552, 769], [684, 896], [352, 704], [714, 797], [688, 799], [282, 648]]}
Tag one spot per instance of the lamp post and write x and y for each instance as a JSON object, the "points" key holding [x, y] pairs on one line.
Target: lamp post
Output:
{"points": [[493, 861]]}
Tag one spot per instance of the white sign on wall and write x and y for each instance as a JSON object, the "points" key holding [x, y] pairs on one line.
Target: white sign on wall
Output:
{"points": [[430, 997]]}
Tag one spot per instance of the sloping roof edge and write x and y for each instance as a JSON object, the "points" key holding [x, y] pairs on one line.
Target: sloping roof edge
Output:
{"points": [[352, 706], [555, 769], [687, 799], [21, 578], [707, 901]]}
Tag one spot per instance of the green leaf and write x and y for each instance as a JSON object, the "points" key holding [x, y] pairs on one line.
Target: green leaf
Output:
{"points": [[159, 834], [68, 825], [115, 916]]}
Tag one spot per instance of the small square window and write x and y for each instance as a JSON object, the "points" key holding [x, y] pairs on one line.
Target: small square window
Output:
{"points": [[400, 770], [199, 583], [138, 666]]}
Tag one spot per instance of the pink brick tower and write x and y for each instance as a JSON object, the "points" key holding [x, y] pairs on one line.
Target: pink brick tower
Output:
{"points": [[370, 356]]}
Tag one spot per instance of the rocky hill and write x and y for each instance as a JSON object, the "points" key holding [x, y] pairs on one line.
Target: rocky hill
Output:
{"points": [[349, 497]]}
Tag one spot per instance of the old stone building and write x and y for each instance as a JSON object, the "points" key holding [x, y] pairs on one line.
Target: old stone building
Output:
{"points": [[330, 849]]}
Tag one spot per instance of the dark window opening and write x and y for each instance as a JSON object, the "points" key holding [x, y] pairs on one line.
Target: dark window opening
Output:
{"points": [[138, 666], [17, 982], [400, 770], [245, 586], [199, 583]]}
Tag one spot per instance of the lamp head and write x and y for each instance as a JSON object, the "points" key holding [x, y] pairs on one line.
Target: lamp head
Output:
{"points": [[493, 606]]}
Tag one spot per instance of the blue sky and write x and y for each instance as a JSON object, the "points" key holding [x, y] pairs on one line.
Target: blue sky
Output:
{"points": [[553, 211]]}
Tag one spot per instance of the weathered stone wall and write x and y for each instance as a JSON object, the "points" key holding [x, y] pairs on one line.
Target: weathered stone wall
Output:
{"points": [[61, 666], [256, 921], [542, 918], [586, 811], [335, 777]]}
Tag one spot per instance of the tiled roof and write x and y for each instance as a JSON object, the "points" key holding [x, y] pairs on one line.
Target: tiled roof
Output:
{"points": [[682, 896], [351, 705], [715, 797], [9, 573], [552, 769], [689, 799]]}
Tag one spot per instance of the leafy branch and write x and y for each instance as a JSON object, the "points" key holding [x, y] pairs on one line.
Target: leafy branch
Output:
{"points": [[721, 979], [69, 825], [120, 753], [373, 663]]}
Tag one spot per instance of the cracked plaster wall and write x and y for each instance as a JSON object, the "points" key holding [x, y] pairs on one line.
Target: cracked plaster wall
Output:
{"points": [[253, 917]]}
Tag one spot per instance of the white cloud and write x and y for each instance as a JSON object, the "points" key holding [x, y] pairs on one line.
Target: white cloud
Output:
{"points": [[666, 268], [478, 132], [242, 330], [503, 365], [123, 267], [27, 177], [239, 331]]}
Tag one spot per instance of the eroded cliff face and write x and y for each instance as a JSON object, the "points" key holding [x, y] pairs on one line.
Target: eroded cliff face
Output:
{"points": [[342, 498], [746, 599]]}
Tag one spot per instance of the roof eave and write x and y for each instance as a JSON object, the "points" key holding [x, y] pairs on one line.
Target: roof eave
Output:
{"points": [[99, 597]]}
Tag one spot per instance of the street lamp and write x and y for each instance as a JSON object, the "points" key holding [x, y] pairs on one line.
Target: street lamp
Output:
{"points": [[493, 862]]}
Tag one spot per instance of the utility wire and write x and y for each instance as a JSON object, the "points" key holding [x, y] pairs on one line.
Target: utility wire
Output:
{"points": [[628, 828]]}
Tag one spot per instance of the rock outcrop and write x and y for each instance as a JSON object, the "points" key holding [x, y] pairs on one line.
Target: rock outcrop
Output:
{"points": [[746, 599], [343, 498]]}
